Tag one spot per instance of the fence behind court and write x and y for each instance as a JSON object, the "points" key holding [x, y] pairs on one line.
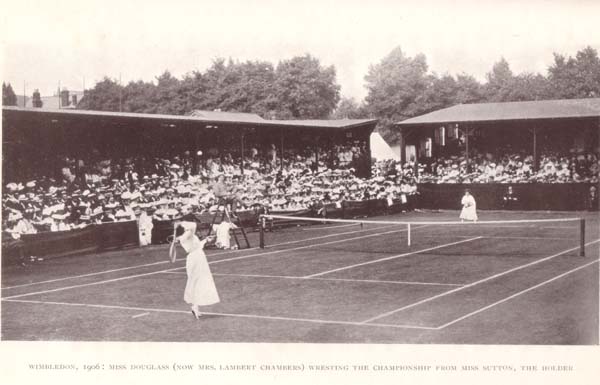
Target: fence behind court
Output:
{"points": [[525, 196]]}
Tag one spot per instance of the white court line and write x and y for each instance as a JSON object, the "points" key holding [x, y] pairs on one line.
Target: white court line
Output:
{"points": [[337, 234], [89, 284], [533, 238], [187, 312], [503, 222], [330, 227], [517, 294], [106, 271], [140, 315], [309, 246], [509, 226], [330, 279], [494, 237], [161, 262], [177, 268], [475, 283], [392, 257], [84, 275]]}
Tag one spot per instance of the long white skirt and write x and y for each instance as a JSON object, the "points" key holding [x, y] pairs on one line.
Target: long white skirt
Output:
{"points": [[200, 288], [469, 213]]}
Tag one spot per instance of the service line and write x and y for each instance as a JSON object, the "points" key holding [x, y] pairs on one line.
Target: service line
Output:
{"points": [[392, 257], [475, 283], [177, 268]]}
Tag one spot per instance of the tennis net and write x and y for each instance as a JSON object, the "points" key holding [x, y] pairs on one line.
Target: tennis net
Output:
{"points": [[518, 231]]}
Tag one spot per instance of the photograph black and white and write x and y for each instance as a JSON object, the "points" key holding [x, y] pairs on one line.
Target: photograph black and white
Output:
{"points": [[334, 177]]}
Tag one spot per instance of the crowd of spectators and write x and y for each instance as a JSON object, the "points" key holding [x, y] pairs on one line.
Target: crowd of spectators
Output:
{"points": [[513, 168], [141, 188]]}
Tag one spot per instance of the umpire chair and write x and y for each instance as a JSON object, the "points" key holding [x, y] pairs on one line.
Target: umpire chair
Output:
{"points": [[227, 213]]}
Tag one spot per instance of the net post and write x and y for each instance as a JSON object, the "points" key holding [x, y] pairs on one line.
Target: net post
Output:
{"points": [[408, 232], [261, 226], [582, 237]]}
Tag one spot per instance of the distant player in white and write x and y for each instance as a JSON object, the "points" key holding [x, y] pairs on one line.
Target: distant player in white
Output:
{"points": [[469, 208], [200, 289], [223, 235], [145, 226]]}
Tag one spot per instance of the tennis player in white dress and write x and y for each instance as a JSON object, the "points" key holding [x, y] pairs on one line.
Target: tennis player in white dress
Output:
{"points": [[222, 230], [200, 289], [469, 208]]}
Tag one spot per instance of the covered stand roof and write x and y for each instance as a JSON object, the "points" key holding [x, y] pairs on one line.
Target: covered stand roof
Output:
{"points": [[201, 117], [509, 111], [29, 132]]}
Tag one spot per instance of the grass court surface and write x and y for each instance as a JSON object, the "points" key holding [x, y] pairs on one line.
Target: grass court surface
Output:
{"points": [[519, 283]]}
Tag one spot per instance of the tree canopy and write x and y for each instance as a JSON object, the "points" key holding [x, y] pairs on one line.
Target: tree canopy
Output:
{"points": [[299, 88], [105, 96], [9, 98], [348, 108], [305, 89], [398, 87], [577, 77]]}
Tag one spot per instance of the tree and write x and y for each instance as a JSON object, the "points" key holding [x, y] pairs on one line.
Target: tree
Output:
{"points": [[395, 89], [468, 90], [8, 95], [193, 90], [240, 87], [214, 82], [254, 91], [138, 97], [577, 77], [167, 97], [348, 108], [440, 93], [499, 82], [105, 96], [528, 86], [304, 89]]}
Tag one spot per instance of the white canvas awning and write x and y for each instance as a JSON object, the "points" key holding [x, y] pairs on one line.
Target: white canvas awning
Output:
{"points": [[380, 150]]}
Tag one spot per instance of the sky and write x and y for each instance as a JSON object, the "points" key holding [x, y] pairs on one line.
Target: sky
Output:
{"points": [[73, 43]]}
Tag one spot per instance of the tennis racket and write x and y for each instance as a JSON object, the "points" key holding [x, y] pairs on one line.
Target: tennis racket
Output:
{"points": [[173, 247]]}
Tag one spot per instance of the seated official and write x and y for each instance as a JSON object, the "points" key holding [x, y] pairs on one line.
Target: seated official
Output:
{"points": [[220, 189]]}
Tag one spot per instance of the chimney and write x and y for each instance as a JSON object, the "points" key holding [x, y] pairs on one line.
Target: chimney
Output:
{"points": [[74, 99], [37, 99], [64, 98]]}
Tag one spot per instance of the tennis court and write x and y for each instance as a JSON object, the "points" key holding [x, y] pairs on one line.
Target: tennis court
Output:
{"points": [[500, 283]]}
